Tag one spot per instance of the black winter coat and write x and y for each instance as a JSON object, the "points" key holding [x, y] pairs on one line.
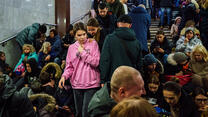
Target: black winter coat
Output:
{"points": [[14, 103]]}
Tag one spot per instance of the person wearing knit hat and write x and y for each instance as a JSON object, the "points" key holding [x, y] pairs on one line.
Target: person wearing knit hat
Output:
{"points": [[188, 42], [177, 58], [149, 59], [180, 57]]}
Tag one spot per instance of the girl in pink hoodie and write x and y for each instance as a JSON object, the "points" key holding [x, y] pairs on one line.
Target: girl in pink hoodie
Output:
{"points": [[82, 69]]}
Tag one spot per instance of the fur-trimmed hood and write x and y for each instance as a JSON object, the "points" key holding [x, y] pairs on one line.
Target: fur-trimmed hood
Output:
{"points": [[170, 60], [56, 66], [51, 102]]}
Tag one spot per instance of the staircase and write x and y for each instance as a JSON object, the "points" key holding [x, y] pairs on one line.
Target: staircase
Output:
{"points": [[154, 28]]}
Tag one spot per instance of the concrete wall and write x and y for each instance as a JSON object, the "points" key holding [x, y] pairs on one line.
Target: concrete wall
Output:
{"points": [[79, 8], [16, 14]]}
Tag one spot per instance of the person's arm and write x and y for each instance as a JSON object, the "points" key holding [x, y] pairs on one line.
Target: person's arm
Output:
{"points": [[92, 56], [20, 61], [105, 60], [56, 48], [180, 46]]}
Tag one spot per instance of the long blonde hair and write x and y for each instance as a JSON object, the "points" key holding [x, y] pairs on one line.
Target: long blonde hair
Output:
{"points": [[32, 49], [44, 47], [200, 49]]}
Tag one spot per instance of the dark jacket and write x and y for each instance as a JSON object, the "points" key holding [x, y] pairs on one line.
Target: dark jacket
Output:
{"points": [[154, 98], [5, 67], [166, 3], [116, 8], [101, 103], [186, 106], [56, 45], [28, 35], [14, 103], [114, 53], [141, 22], [42, 56], [203, 23], [107, 23], [165, 46]]}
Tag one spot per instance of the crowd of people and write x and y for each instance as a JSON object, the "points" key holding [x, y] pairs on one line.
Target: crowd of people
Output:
{"points": [[105, 67]]}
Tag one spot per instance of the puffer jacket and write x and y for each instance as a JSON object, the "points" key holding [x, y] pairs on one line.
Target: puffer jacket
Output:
{"points": [[181, 47], [28, 35]]}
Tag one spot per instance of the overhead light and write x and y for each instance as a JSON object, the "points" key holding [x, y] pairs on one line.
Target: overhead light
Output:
{"points": [[27, 0]]}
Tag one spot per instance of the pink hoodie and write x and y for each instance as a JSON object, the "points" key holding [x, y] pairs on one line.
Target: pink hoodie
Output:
{"points": [[82, 68]]}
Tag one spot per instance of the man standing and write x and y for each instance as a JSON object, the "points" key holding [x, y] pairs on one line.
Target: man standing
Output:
{"points": [[141, 23], [116, 7], [126, 81], [120, 48], [107, 21]]}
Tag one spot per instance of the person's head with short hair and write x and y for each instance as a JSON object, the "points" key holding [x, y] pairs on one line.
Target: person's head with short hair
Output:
{"points": [[53, 33], [36, 87], [199, 53], [160, 36], [44, 77], [2, 56], [102, 9], [92, 26], [200, 98], [80, 32], [124, 21], [28, 48], [153, 83], [172, 92], [190, 23], [150, 62], [42, 29], [125, 82], [133, 107], [46, 47]]}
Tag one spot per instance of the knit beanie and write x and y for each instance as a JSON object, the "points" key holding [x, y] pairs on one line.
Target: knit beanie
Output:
{"points": [[190, 29], [179, 57], [149, 59]]}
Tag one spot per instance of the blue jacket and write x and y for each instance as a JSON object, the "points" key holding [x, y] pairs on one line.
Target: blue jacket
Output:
{"points": [[141, 21], [56, 46]]}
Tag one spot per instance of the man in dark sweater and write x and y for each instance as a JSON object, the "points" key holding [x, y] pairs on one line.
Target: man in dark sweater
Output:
{"points": [[120, 48]]}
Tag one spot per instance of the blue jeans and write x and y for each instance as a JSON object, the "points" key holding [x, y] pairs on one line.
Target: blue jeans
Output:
{"points": [[82, 98], [163, 10]]}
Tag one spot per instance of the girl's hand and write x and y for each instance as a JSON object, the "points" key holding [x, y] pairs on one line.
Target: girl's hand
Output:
{"points": [[81, 48], [186, 40], [61, 82]]}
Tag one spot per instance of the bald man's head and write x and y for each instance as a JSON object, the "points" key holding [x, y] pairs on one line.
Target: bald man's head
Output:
{"points": [[126, 81]]}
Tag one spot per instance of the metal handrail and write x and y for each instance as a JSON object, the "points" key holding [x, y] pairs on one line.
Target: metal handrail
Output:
{"points": [[80, 17], [14, 35]]}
